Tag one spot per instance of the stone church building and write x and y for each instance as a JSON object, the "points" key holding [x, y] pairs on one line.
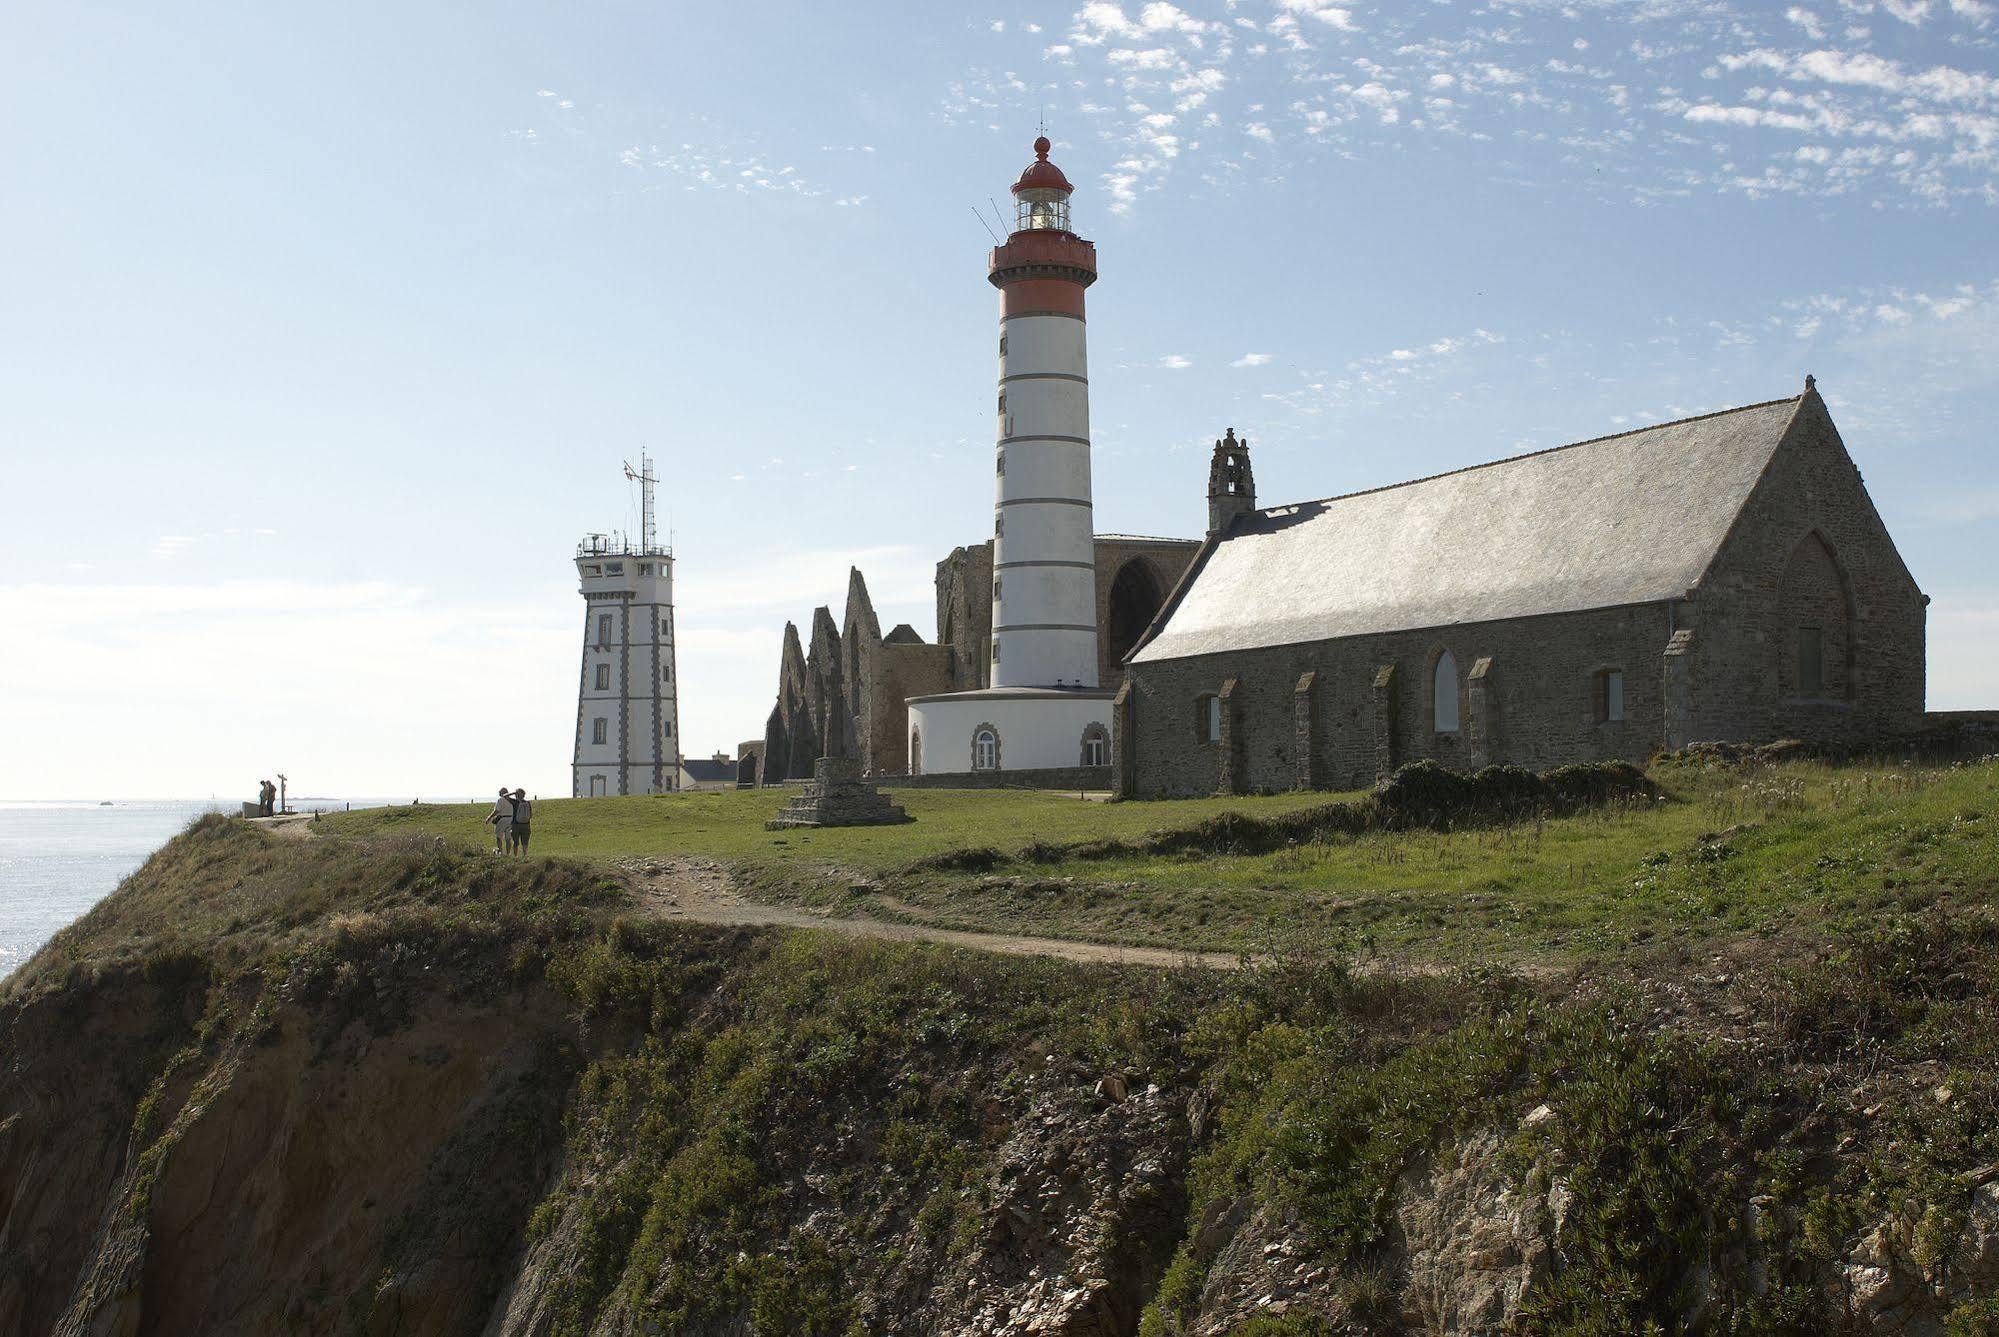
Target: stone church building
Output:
{"points": [[843, 692], [1724, 577]]}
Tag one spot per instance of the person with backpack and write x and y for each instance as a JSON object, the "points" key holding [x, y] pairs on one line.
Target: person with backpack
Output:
{"points": [[523, 822]]}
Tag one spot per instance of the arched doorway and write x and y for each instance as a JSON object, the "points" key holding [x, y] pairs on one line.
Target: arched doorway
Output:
{"points": [[1135, 600]]}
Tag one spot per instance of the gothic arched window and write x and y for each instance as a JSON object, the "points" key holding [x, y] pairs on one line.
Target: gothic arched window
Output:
{"points": [[1096, 746], [1444, 694]]}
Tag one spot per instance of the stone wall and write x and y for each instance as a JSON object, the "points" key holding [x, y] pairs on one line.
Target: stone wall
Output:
{"points": [[1149, 568], [1093, 778], [1809, 549], [1328, 710]]}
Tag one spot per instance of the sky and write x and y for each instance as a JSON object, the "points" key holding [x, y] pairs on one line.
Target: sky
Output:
{"points": [[325, 331]]}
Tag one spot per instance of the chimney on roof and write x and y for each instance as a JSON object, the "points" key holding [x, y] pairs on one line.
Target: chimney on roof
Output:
{"points": [[1231, 485], [1811, 384]]}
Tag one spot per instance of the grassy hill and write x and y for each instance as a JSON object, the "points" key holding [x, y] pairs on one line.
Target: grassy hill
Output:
{"points": [[1723, 851], [383, 1081]]}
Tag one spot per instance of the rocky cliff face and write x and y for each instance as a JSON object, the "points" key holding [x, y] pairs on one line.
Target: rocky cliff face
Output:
{"points": [[394, 1090]]}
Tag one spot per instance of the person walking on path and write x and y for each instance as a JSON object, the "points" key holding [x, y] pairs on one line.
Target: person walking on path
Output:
{"points": [[523, 821], [501, 819]]}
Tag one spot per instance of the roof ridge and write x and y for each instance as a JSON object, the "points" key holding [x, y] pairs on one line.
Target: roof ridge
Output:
{"points": [[1527, 455]]}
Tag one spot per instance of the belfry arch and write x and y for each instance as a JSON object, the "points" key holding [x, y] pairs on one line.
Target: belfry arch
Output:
{"points": [[1136, 594]]}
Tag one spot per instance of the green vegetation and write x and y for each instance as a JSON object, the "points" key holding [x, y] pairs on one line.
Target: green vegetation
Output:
{"points": [[1719, 851], [798, 1132], [730, 825]]}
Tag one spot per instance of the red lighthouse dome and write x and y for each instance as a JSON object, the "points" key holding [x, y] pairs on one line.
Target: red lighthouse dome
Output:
{"points": [[1042, 174]]}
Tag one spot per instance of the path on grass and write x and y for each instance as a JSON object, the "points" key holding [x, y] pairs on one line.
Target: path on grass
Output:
{"points": [[699, 891]]}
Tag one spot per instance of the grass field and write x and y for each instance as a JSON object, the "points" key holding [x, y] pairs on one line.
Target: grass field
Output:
{"points": [[1724, 853], [730, 826]]}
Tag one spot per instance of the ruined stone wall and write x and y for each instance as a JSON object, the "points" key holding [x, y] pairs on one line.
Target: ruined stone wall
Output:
{"points": [[906, 670], [1527, 694], [965, 614], [1163, 562], [1808, 550]]}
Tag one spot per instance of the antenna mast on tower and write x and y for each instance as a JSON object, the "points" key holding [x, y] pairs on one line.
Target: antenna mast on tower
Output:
{"points": [[644, 477]]}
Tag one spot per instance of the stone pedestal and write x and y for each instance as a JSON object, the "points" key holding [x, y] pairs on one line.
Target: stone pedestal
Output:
{"points": [[836, 795]]}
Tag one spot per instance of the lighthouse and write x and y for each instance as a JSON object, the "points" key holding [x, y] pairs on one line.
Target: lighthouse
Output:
{"points": [[1044, 709], [1044, 550]]}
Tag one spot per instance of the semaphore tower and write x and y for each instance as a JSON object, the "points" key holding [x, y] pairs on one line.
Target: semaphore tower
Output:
{"points": [[1043, 708], [627, 703]]}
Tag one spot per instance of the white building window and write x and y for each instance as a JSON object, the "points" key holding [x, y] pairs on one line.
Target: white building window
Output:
{"points": [[614, 568], [645, 568], [985, 749], [1609, 696], [1444, 694], [603, 677], [603, 628], [599, 786], [600, 730]]}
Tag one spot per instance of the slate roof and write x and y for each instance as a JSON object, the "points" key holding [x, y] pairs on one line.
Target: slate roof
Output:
{"points": [[1623, 519], [708, 771]]}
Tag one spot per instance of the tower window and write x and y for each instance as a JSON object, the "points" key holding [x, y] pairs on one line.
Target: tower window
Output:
{"points": [[1000, 468], [985, 749], [1811, 662], [996, 589], [999, 523], [1002, 345], [1002, 403], [995, 649], [603, 628], [645, 568], [603, 677], [1609, 696], [600, 730]]}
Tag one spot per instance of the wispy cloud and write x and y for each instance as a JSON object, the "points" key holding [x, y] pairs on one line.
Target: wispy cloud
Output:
{"points": [[1251, 360]]}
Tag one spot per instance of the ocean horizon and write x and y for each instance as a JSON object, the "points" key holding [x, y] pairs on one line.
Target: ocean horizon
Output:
{"points": [[59, 857]]}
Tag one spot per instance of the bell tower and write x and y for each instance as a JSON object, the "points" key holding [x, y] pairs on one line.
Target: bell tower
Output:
{"points": [[1231, 485]]}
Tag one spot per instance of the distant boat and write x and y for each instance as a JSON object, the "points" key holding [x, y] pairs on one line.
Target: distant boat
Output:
{"points": [[104, 803]]}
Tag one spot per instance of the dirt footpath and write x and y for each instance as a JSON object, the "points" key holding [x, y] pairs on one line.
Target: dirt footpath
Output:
{"points": [[700, 892]]}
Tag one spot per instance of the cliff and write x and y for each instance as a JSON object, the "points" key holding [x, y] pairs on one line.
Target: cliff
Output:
{"points": [[382, 1086]]}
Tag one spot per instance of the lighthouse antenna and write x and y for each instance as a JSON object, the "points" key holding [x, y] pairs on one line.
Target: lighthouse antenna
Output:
{"points": [[643, 476], [984, 224], [999, 214]]}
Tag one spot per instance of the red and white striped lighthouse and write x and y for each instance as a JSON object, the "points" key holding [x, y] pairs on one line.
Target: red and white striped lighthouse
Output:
{"points": [[1043, 709], [1044, 553]]}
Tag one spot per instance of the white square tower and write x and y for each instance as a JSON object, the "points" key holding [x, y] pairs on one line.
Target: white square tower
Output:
{"points": [[627, 702]]}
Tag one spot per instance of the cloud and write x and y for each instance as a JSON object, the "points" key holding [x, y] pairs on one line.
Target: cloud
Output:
{"points": [[1252, 360], [1176, 362]]}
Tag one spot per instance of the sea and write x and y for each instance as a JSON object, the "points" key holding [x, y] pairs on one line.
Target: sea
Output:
{"points": [[58, 858]]}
